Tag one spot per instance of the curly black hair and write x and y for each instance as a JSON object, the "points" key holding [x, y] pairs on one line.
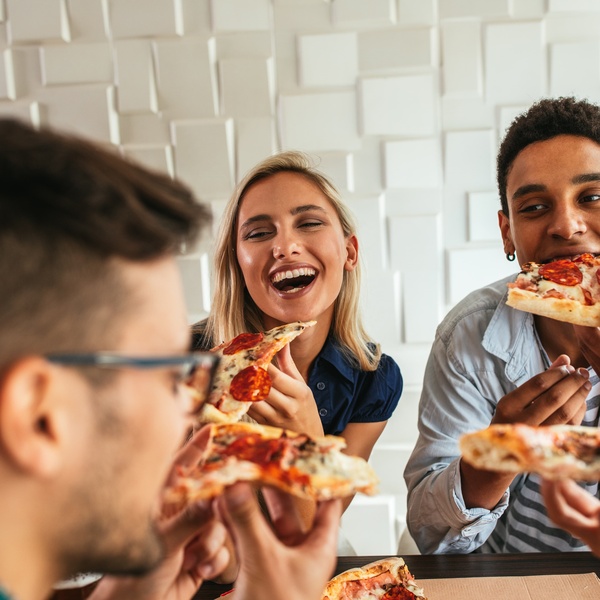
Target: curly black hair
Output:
{"points": [[545, 119]]}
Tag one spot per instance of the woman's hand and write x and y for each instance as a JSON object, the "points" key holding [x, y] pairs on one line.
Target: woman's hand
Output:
{"points": [[290, 403]]}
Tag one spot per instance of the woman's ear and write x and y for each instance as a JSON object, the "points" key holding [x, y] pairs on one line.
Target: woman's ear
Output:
{"points": [[28, 415], [352, 253]]}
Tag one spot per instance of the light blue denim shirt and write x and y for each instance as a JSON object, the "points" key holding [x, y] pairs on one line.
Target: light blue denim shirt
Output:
{"points": [[483, 350]]}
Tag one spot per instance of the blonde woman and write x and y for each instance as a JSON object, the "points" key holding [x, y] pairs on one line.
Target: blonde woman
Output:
{"points": [[287, 250]]}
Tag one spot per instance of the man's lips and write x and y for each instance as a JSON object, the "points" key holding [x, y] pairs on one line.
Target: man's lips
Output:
{"points": [[567, 256]]}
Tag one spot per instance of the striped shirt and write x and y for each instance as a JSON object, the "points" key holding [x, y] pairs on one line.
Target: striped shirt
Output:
{"points": [[525, 526]]}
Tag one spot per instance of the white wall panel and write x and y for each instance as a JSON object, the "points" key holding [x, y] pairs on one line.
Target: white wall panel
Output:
{"points": [[23, 71], [50, 22], [507, 115], [452, 9], [328, 59], [128, 21], [414, 235], [339, 167], [412, 202], [135, 76], [474, 266], [396, 49], [398, 105], [466, 113], [159, 158], [561, 27], [138, 129], [245, 44], [461, 49], [382, 296], [186, 77], [528, 9], [417, 12], [413, 164], [77, 63], [361, 14], [241, 15], [332, 118], [483, 210], [255, 140], [247, 87], [195, 275], [470, 160], [87, 21], [195, 15], [514, 44], [573, 6], [565, 80], [369, 213], [204, 156]]}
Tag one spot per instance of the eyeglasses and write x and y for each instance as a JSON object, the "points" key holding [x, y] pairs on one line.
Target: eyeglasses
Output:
{"points": [[195, 370]]}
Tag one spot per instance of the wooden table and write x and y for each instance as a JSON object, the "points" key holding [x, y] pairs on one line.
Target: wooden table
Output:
{"points": [[439, 566]]}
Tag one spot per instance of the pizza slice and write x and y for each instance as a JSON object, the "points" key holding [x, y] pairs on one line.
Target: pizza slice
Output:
{"points": [[241, 377], [296, 463], [552, 451], [565, 290], [386, 579]]}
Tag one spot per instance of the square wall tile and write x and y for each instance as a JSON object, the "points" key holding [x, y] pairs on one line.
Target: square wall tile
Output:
{"points": [[339, 169], [475, 266], [507, 115], [413, 164], [50, 22], [158, 158], [462, 49], [247, 87], [402, 426], [77, 63], [196, 282], [413, 202], [404, 105], [528, 9], [144, 129], [87, 21], [23, 71], [483, 210], [514, 44], [369, 214], [422, 295], [573, 6], [195, 16], [470, 160], [328, 59], [396, 49], [461, 112], [332, 118], [566, 27], [186, 77], [128, 19], [245, 44], [204, 156], [241, 15], [417, 12], [361, 14], [453, 9], [575, 68], [415, 235]]}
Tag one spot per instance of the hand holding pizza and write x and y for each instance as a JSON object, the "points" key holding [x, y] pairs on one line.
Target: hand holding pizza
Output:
{"points": [[588, 339], [280, 560], [574, 509], [290, 403], [553, 397]]}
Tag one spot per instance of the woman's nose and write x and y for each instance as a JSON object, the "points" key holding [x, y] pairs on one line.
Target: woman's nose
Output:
{"points": [[285, 248]]}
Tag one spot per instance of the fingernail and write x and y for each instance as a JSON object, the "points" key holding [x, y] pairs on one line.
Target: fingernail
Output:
{"points": [[583, 372], [587, 386], [570, 368]]}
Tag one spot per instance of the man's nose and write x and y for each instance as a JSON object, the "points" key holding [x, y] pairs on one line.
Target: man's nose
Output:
{"points": [[567, 221]]}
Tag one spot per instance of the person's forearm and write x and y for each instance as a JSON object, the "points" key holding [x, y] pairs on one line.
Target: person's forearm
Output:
{"points": [[482, 489]]}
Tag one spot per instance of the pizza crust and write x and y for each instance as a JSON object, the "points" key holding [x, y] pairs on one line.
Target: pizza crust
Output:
{"points": [[561, 309], [554, 451]]}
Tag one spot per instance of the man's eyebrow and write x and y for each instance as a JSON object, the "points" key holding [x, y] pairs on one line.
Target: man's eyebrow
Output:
{"points": [[527, 189], [586, 178]]}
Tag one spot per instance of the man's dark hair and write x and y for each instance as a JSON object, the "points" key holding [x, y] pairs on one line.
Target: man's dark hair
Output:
{"points": [[544, 120], [70, 213]]}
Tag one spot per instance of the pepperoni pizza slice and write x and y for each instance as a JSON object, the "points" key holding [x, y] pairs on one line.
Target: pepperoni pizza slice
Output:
{"points": [[552, 451], [566, 290], [241, 377], [387, 579], [301, 465]]}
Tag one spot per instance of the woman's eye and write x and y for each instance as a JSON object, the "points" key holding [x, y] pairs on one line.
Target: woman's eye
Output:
{"points": [[256, 234], [311, 224]]}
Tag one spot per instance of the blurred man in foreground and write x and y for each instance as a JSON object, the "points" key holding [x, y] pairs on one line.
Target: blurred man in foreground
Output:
{"points": [[93, 350]]}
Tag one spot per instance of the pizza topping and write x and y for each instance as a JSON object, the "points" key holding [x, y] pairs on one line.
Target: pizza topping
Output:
{"points": [[563, 271], [398, 593], [251, 384], [243, 342]]}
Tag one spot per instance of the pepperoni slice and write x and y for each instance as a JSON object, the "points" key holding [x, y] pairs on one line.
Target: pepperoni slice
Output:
{"points": [[251, 384], [563, 271], [243, 342], [398, 593]]}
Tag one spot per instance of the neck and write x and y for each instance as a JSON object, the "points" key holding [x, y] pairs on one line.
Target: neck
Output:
{"points": [[304, 348], [558, 338]]}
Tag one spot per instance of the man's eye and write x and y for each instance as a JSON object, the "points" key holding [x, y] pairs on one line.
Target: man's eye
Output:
{"points": [[529, 208], [591, 198]]}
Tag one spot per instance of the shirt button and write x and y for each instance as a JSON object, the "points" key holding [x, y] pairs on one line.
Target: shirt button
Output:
{"points": [[322, 411], [320, 385]]}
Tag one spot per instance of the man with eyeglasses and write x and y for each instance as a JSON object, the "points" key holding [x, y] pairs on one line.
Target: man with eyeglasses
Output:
{"points": [[93, 352]]}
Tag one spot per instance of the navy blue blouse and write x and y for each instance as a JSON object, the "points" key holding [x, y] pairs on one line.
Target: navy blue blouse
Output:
{"points": [[346, 394]]}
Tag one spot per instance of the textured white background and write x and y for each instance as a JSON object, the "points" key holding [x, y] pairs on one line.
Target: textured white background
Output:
{"points": [[403, 102]]}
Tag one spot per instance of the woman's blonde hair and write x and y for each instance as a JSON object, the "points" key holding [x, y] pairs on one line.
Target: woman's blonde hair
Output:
{"points": [[233, 310]]}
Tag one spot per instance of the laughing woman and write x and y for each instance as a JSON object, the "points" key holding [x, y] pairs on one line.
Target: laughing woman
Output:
{"points": [[288, 251]]}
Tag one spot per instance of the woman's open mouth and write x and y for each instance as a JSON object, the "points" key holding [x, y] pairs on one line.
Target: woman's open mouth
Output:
{"points": [[294, 280]]}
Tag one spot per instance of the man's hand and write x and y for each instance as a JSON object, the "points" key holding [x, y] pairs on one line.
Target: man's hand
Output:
{"points": [[575, 510], [280, 561]]}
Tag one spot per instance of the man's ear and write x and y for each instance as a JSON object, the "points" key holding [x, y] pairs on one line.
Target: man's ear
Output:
{"points": [[504, 224], [352, 253], [30, 419]]}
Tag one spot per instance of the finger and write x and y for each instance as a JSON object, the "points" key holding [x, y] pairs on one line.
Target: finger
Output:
{"points": [[558, 496], [324, 532], [286, 363], [560, 361], [563, 401], [182, 527], [285, 515]]}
